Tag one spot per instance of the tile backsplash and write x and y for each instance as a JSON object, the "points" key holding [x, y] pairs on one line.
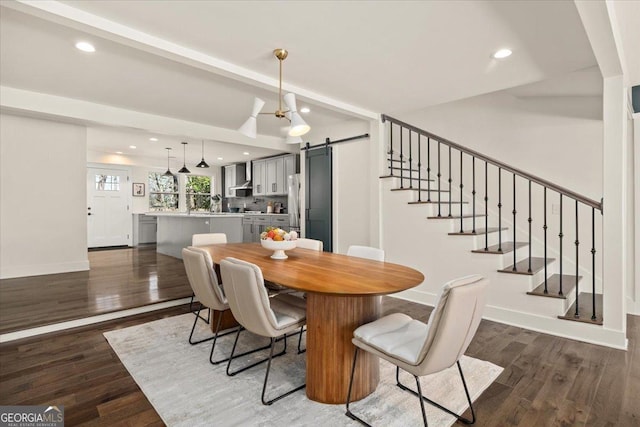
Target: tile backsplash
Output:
{"points": [[252, 203]]}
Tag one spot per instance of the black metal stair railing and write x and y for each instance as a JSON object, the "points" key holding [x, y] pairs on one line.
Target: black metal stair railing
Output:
{"points": [[425, 142]]}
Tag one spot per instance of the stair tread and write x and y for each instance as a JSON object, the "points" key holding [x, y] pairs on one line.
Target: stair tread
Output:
{"points": [[505, 247], [406, 177], [585, 309], [479, 231], [522, 267], [416, 189], [435, 202], [553, 286], [456, 216]]}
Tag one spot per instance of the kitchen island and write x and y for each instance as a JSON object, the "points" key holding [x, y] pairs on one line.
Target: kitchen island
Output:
{"points": [[176, 228]]}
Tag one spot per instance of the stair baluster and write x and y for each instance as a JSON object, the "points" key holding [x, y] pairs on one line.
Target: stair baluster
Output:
{"points": [[401, 160], [473, 193], [486, 205], [514, 222], [500, 210], [560, 236], [391, 153], [577, 242], [439, 175], [544, 227], [593, 264], [514, 240], [429, 169], [419, 171], [450, 193], [461, 187], [411, 163]]}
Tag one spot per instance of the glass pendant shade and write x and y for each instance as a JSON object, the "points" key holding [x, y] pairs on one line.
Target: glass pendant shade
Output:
{"points": [[184, 158], [202, 163]]}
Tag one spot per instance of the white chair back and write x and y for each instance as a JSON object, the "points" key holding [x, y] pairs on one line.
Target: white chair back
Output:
{"points": [[453, 323], [366, 252], [203, 278], [315, 245], [208, 239]]}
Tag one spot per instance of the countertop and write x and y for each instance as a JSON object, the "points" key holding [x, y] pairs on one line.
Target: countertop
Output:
{"points": [[207, 214]]}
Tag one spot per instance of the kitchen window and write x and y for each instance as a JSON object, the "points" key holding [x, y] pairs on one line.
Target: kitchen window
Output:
{"points": [[198, 192], [163, 192]]}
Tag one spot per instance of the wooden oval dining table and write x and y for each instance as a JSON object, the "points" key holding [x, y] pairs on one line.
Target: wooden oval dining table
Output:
{"points": [[343, 292]]}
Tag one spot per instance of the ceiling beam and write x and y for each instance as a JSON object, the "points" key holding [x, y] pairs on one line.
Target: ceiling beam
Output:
{"points": [[36, 104]]}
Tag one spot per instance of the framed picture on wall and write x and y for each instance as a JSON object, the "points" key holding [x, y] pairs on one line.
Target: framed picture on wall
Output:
{"points": [[138, 189]]}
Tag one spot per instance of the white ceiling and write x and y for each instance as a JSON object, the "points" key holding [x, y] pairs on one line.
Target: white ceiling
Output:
{"points": [[380, 56]]}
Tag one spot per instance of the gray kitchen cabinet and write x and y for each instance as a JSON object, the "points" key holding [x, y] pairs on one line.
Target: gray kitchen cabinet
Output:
{"points": [[280, 221], [275, 176], [258, 178], [234, 175], [248, 230]]}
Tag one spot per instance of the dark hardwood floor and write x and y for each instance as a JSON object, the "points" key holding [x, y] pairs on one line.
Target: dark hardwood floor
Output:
{"points": [[547, 381], [119, 279]]}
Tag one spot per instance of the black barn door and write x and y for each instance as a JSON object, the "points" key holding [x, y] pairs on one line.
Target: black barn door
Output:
{"points": [[318, 187]]}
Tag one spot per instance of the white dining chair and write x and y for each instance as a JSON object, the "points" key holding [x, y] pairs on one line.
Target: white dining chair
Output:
{"points": [[366, 252], [251, 305], [205, 239], [313, 244], [423, 349]]}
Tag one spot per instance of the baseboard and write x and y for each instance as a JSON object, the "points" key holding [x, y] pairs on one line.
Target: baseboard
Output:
{"points": [[578, 331], [12, 336], [633, 307], [42, 269], [572, 330]]}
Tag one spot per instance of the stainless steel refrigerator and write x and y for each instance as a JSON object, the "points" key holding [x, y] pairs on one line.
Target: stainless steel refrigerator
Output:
{"points": [[293, 203]]}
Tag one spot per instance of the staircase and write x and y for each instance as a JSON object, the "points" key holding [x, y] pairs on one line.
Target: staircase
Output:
{"points": [[451, 211]]}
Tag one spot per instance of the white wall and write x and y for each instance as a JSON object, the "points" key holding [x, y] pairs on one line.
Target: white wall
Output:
{"points": [[351, 182], [556, 138], [43, 226], [633, 293]]}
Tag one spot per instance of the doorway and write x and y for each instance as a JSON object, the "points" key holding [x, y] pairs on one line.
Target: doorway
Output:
{"points": [[108, 214], [318, 196]]}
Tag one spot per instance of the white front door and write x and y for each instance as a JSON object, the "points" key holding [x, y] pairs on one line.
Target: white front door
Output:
{"points": [[108, 215]]}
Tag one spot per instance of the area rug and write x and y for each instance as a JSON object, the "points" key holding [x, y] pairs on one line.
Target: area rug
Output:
{"points": [[186, 390]]}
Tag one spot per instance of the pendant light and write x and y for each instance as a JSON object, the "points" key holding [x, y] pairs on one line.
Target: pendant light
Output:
{"points": [[298, 125], [168, 172], [202, 163], [184, 159]]}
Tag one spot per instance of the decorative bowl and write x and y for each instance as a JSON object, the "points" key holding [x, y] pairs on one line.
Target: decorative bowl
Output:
{"points": [[278, 247]]}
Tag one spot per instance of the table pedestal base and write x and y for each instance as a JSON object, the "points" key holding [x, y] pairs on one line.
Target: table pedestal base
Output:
{"points": [[331, 320]]}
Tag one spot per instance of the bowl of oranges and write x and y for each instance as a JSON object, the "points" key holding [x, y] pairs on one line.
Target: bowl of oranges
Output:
{"points": [[278, 240]]}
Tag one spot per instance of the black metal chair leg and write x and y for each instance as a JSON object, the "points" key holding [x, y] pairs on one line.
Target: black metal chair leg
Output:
{"points": [[193, 328], [215, 339], [424, 415], [437, 405], [300, 341], [208, 319], [233, 355], [266, 378], [349, 413]]}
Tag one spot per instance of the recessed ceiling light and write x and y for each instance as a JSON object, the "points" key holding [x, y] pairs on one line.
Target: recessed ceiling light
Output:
{"points": [[153, 139], [305, 109], [133, 147], [118, 152], [502, 53], [220, 158], [85, 47], [246, 153]]}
